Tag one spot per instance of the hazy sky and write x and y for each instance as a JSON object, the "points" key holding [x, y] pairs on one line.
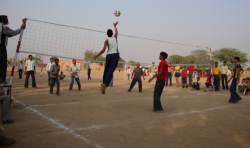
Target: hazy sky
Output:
{"points": [[213, 23]]}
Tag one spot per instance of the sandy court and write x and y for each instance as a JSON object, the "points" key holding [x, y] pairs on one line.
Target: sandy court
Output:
{"points": [[121, 119]]}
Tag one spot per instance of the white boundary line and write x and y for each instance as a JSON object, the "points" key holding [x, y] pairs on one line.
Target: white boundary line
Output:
{"points": [[58, 124]]}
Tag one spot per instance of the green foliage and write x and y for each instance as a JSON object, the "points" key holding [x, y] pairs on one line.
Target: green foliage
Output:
{"points": [[54, 58], [228, 54], [132, 63], [88, 57], [248, 69], [36, 58], [175, 58], [121, 65]]}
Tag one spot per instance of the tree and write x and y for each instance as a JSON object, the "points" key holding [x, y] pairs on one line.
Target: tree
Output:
{"points": [[121, 64], [88, 56], [132, 63], [200, 56], [175, 58], [248, 69], [36, 58], [54, 58], [228, 54]]}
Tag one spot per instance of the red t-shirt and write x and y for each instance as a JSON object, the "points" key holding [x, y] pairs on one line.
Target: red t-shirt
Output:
{"points": [[191, 67], [209, 80], [163, 64], [170, 68], [184, 73]]}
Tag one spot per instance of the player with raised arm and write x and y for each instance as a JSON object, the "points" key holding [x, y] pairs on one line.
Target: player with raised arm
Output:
{"points": [[112, 57]]}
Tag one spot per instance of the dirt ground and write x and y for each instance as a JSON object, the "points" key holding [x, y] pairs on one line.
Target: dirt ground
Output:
{"points": [[121, 119]]}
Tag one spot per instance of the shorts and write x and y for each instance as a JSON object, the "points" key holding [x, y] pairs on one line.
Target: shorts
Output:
{"points": [[177, 74]]}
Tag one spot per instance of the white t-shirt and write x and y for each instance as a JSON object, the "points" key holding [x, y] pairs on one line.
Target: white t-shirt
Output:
{"points": [[30, 65], [128, 71], [112, 45], [20, 66]]}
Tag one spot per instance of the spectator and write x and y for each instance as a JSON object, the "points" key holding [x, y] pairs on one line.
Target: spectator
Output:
{"points": [[31, 70], [191, 70], [152, 73], [196, 85], [20, 69], [217, 76], [128, 72], [246, 86], [208, 82], [177, 74], [224, 70], [184, 77], [241, 85], [169, 76], [61, 76]]}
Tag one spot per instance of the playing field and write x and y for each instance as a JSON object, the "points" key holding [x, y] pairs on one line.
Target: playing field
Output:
{"points": [[121, 119]]}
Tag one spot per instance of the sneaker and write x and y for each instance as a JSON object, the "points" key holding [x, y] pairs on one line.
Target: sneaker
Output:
{"points": [[6, 142], [10, 121], [103, 87]]}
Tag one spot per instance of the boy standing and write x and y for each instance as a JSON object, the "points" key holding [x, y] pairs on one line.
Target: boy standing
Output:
{"points": [[169, 76], [217, 76], [224, 70], [112, 57], [31, 70], [191, 71], [74, 70], [54, 73], [152, 72], [48, 69], [137, 73], [89, 72], [161, 78], [184, 77], [234, 98], [20, 69]]}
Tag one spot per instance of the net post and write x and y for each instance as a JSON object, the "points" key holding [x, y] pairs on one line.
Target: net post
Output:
{"points": [[16, 54], [211, 63]]}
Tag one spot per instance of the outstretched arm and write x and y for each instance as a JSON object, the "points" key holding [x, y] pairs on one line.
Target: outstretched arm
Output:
{"points": [[116, 31], [156, 75], [103, 50]]}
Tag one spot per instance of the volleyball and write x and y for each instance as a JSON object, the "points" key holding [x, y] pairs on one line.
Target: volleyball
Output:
{"points": [[117, 13]]}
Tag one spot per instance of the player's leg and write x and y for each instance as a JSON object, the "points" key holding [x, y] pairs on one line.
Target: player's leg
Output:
{"points": [[132, 84], [157, 95], [26, 84], [71, 83], [140, 85], [3, 62], [49, 79], [58, 85], [52, 83], [222, 79], [113, 62], [78, 83], [33, 79]]}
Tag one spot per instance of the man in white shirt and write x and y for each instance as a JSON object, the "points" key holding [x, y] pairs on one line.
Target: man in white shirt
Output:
{"points": [[74, 70], [20, 69], [48, 67], [6, 32], [224, 71], [129, 72], [30, 69]]}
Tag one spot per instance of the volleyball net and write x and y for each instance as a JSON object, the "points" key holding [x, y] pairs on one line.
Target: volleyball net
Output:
{"points": [[69, 42]]}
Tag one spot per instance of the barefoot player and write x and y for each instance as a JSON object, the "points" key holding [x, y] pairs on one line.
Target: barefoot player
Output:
{"points": [[161, 78], [112, 57]]}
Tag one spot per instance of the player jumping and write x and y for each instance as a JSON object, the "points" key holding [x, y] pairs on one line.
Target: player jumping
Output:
{"points": [[112, 57]]}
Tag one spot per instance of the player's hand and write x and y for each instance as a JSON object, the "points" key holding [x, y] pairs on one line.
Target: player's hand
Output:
{"points": [[24, 73], [144, 78], [47, 72], [237, 82], [35, 72], [131, 77], [94, 57], [150, 80], [115, 23]]}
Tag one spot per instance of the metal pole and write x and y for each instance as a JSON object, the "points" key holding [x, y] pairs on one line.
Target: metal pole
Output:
{"points": [[211, 63], [14, 64]]}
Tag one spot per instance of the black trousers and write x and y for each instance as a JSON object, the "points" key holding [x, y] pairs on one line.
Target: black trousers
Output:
{"points": [[20, 73], [157, 95], [3, 62], [49, 79], [89, 76], [224, 79], [28, 73]]}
